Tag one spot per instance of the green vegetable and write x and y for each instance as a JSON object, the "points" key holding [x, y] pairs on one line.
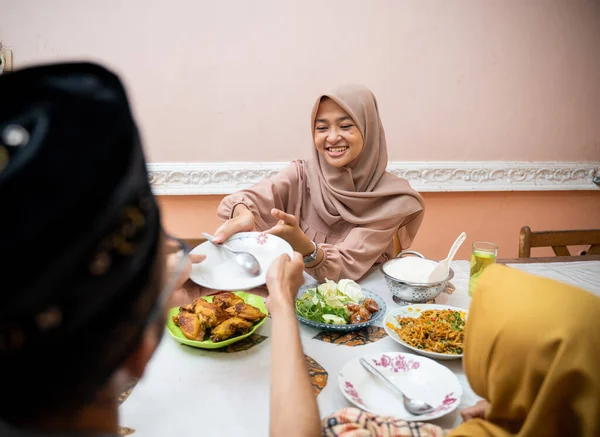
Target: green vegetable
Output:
{"points": [[327, 304], [334, 320]]}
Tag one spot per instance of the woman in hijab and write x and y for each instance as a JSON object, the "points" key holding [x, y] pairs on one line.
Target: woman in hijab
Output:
{"points": [[531, 350], [341, 209]]}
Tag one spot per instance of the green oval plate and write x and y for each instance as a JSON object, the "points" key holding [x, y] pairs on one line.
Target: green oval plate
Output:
{"points": [[176, 333]]}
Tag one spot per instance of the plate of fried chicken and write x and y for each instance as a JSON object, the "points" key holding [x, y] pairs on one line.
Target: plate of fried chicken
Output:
{"points": [[212, 322]]}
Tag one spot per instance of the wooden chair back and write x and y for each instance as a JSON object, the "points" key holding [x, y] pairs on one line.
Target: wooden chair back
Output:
{"points": [[559, 241], [397, 246]]}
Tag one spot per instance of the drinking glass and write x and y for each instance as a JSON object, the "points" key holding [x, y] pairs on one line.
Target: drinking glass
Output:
{"points": [[483, 254]]}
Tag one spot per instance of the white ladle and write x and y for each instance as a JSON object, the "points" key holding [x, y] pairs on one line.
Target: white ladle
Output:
{"points": [[442, 270]]}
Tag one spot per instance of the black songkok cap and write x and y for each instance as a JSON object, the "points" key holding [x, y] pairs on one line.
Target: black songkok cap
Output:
{"points": [[79, 232]]}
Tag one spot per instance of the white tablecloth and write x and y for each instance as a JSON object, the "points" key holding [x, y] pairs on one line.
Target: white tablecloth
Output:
{"points": [[187, 390]]}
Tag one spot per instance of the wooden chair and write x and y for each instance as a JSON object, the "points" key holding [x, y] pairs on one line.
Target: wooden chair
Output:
{"points": [[397, 247], [558, 240]]}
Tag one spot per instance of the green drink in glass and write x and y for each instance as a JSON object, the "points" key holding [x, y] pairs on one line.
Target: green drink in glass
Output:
{"points": [[483, 254]]}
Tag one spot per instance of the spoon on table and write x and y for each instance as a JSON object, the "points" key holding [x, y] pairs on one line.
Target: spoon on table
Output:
{"points": [[442, 270], [413, 406], [246, 260]]}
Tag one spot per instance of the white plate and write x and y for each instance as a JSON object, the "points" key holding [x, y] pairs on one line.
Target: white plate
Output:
{"points": [[419, 378], [219, 271], [415, 311]]}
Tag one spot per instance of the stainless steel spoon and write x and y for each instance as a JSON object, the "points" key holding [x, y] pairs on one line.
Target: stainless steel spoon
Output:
{"points": [[413, 406], [246, 260]]}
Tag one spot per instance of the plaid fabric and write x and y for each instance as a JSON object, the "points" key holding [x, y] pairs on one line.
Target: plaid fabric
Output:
{"points": [[352, 422]]}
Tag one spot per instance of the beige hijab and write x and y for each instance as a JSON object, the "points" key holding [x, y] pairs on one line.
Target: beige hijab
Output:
{"points": [[532, 349], [364, 192]]}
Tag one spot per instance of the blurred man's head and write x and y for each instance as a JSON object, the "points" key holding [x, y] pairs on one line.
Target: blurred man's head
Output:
{"points": [[81, 258]]}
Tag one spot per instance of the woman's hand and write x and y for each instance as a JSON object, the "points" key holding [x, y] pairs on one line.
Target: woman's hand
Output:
{"points": [[287, 228], [284, 278], [242, 221], [477, 411]]}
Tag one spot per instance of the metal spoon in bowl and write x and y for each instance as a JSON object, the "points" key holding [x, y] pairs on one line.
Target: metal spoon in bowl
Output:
{"points": [[246, 260], [442, 270], [413, 406]]}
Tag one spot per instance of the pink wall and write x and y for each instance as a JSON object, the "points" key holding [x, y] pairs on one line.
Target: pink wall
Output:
{"points": [[495, 217], [235, 80]]}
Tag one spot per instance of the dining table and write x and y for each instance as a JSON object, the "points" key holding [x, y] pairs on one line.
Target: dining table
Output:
{"points": [[225, 392]]}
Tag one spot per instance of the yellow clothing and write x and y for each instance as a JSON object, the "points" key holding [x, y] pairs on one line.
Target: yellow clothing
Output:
{"points": [[532, 349]]}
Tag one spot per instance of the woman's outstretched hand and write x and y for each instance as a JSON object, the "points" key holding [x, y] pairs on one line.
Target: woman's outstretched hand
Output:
{"points": [[288, 228]]}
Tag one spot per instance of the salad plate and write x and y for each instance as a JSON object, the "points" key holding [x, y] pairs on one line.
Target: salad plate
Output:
{"points": [[322, 306]]}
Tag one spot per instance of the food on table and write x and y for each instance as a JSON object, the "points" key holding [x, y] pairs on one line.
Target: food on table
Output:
{"points": [[227, 316], [230, 327], [438, 331], [246, 312], [353, 307], [226, 300], [362, 315], [209, 315], [410, 269], [190, 325], [371, 305], [334, 303]]}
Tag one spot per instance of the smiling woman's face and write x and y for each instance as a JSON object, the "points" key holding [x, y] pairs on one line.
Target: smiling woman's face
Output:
{"points": [[336, 136]]}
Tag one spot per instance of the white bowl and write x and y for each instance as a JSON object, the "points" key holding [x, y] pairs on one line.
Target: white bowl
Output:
{"points": [[405, 292]]}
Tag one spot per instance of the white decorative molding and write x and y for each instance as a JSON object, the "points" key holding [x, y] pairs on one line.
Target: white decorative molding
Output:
{"points": [[426, 176]]}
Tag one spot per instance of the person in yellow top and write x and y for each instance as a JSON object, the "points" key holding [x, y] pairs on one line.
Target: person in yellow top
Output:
{"points": [[531, 349]]}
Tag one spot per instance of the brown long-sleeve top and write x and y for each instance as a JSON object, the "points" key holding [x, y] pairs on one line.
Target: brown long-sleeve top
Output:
{"points": [[349, 250]]}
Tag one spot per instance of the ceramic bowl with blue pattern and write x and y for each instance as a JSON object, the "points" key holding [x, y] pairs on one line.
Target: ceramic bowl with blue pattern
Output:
{"points": [[375, 317]]}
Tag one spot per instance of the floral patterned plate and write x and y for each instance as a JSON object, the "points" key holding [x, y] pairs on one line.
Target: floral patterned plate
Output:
{"points": [[220, 271], [419, 378]]}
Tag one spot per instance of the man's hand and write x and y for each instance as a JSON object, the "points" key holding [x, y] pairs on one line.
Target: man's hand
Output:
{"points": [[284, 278]]}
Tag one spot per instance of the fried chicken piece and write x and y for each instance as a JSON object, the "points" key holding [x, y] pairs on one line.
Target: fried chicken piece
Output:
{"points": [[230, 327], [362, 315], [209, 313], [190, 325], [353, 307], [226, 300], [371, 305], [189, 307], [246, 312]]}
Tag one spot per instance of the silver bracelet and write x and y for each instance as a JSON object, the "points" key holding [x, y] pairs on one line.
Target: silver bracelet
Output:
{"points": [[313, 256]]}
